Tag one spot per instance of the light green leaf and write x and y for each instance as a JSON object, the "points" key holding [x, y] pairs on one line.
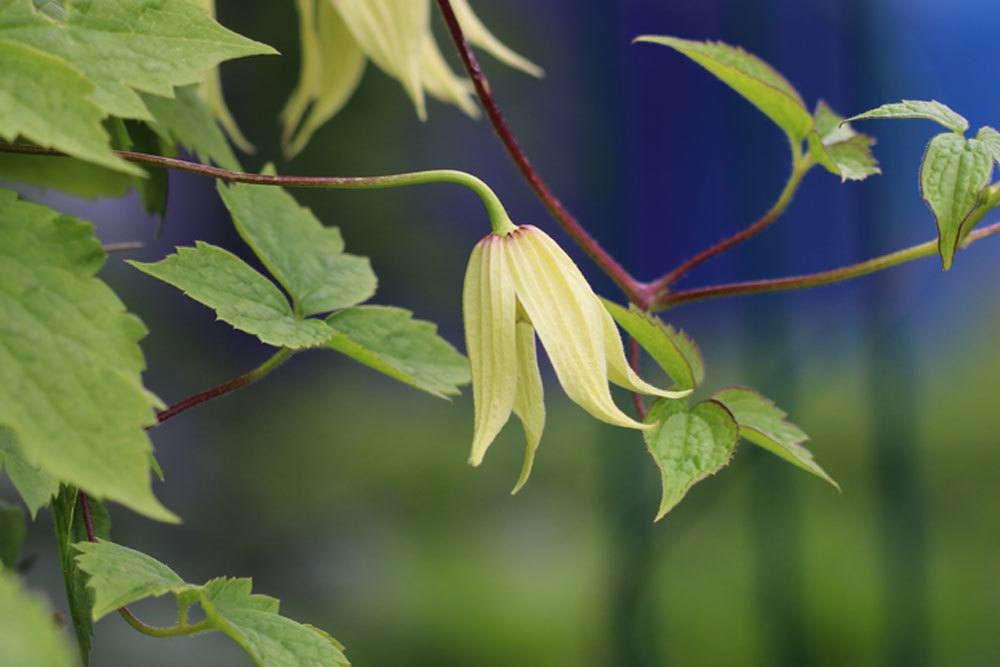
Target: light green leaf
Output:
{"points": [[954, 175], [749, 76], [28, 635], [13, 528], [390, 341], [927, 110], [120, 576], [70, 365], [252, 621], [125, 46], [238, 294], [36, 488], [307, 258], [185, 119], [671, 348], [842, 151], [45, 100], [763, 423], [991, 139], [70, 528], [688, 445]]}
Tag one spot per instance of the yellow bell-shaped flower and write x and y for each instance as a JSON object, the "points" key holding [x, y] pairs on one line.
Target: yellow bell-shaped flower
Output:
{"points": [[519, 284]]}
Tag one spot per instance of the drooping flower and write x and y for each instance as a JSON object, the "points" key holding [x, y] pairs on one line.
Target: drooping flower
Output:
{"points": [[338, 37], [522, 283]]}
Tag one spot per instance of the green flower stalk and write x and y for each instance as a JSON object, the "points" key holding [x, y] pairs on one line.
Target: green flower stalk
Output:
{"points": [[519, 283]]}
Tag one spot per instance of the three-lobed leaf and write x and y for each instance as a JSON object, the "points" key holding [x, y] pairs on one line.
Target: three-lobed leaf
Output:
{"points": [[763, 423], [954, 175], [238, 293], [392, 342], [71, 391], [120, 576], [671, 348], [307, 258], [688, 445], [922, 109], [749, 76]]}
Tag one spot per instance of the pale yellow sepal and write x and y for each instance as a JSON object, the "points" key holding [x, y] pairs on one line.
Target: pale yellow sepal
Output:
{"points": [[332, 65], [441, 82], [391, 33], [619, 370], [529, 401], [489, 307], [479, 35]]}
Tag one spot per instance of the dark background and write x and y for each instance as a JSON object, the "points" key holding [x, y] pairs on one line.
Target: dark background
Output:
{"points": [[347, 495]]}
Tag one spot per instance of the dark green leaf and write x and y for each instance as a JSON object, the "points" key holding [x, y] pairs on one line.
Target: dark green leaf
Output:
{"points": [[184, 119], [13, 528]]}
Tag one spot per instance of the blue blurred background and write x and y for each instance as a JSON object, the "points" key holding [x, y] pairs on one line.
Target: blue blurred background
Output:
{"points": [[348, 496]]}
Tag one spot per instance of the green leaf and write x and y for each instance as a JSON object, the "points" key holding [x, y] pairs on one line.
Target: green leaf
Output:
{"points": [[954, 175], [78, 178], [125, 46], [28, 635], [749, 76], [184, 119], [252, 621], [70, 365], [763, 423], [36, 487], [688, 445], [671, 348], [13, 528], [46, 101], [120, 576], [991, 139], [307, 258], [152, 189], [238, 294], [390, 341], [841, 150], [932, 110], [70, 528]]}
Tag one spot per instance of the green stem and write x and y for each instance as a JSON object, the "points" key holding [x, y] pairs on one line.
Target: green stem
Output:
{"points": [[927, 249], [258, 373], [179, 630], [800, 167], [499, 219]]}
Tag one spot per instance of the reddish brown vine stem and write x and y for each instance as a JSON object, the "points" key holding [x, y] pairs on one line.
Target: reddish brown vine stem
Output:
{"points": [[635, 290]]}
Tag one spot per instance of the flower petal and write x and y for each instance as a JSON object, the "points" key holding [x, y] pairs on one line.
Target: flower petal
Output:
{"points": [[488, 305], [559, 303], [480, 36], [444, 84], [619, 370], [529, 404], [391, 33]]}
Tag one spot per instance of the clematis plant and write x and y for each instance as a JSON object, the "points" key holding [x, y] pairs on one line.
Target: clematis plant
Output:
{"points": [[519, 282]]}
